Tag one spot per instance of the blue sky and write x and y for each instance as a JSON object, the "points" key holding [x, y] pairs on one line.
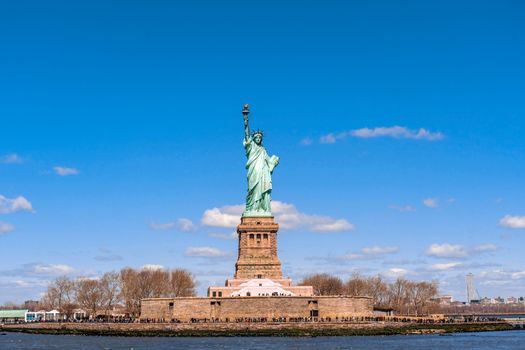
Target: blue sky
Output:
{"points": [[399, 126]]}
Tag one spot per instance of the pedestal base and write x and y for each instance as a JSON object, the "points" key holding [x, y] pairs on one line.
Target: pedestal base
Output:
{"points": [[258, 249]]}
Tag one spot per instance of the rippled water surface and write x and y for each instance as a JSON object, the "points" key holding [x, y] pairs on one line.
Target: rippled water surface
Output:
{"points": [[514, 340]]}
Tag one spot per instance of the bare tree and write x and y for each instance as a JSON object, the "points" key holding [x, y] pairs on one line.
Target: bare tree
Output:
{"points": [[61, 296], [324, 284], [110, 286], [356, 285], [89, 295], [423, 293], [153, 283], [377, 288], [181, 284], [397, 293], [130, 291]]}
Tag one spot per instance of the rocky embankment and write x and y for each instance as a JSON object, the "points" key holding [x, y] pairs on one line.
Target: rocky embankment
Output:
{"points": [[251, 329]]}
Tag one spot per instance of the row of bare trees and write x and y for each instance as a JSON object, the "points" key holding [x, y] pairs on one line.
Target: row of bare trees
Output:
{"points": [[128, 286], [146, 283], [405, 296]]}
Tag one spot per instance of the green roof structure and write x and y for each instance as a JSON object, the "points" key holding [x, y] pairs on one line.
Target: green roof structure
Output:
{"points": [[13, 313]]}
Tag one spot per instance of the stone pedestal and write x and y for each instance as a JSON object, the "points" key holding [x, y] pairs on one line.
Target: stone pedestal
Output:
{"points": [[258, 249]]}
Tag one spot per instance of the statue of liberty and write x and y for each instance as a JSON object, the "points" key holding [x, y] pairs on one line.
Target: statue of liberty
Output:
{"points": [[260, 167]]}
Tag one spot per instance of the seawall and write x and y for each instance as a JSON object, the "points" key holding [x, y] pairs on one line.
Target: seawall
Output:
{"points": [[251, 329]]}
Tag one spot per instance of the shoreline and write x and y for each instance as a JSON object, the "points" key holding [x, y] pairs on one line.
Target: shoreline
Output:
{"points": [[253, 329]]}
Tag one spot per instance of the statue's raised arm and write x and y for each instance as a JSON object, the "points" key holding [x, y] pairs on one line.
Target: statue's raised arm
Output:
{"points": [[260, 167], [245, 113]]}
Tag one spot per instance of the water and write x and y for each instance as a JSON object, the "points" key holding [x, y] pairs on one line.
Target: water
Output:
{"points": [[513, 340]]}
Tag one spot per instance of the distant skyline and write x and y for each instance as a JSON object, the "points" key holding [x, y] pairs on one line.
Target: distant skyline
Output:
{"points": [[399, 126]]}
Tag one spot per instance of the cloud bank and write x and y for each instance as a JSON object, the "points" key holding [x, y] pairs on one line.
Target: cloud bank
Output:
{"points": [[287, 215], [6, 228], [396, 132], [63, 171], [11, 159], [19, 203], [447, 250], [206, 252], [510, 221], [182, 224]]}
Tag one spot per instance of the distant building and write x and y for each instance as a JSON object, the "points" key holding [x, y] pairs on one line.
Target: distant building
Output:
{"points": [[457, 303], [31, 305], [444, 300], [512, 300], [79, 314], [486, 301], [499, 300], [383, 311]]}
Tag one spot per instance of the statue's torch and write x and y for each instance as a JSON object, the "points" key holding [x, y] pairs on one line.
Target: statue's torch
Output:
{"points": [[245, 112]]}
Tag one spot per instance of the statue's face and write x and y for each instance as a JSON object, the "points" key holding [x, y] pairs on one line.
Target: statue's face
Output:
{"points": [[257, 139]]}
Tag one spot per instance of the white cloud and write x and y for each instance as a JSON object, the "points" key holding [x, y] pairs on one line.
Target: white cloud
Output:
{"points": [[396, 272], [12, 158], [231, 236], [306, 141], [445, 266], [397, 132], [403, 209], [152, 267], [63, 171], [327, 224], [490, 277], [52, 269], [510, 221], [228, 216], [367, 253], [29, 283], [376, 250], [285, 214], [185, 225], [352, 256], [19, 203], [206, 252], [329, 138], [182, 224], [6, 228], [289, 217], [431, 202], [518, 275], [446, 251]]}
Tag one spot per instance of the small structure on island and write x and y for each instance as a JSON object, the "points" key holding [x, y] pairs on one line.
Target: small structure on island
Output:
{"points": [[258, 289], [13, 316]]}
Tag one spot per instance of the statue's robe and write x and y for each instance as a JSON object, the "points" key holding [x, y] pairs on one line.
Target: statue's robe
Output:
{"points": [[260, 167]]}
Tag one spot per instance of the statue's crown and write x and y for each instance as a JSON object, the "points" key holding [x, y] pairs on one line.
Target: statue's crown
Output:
{"points": [[258, 132]]}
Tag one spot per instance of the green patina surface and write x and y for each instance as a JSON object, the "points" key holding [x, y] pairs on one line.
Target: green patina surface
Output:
{"points": [[259, 166]]}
